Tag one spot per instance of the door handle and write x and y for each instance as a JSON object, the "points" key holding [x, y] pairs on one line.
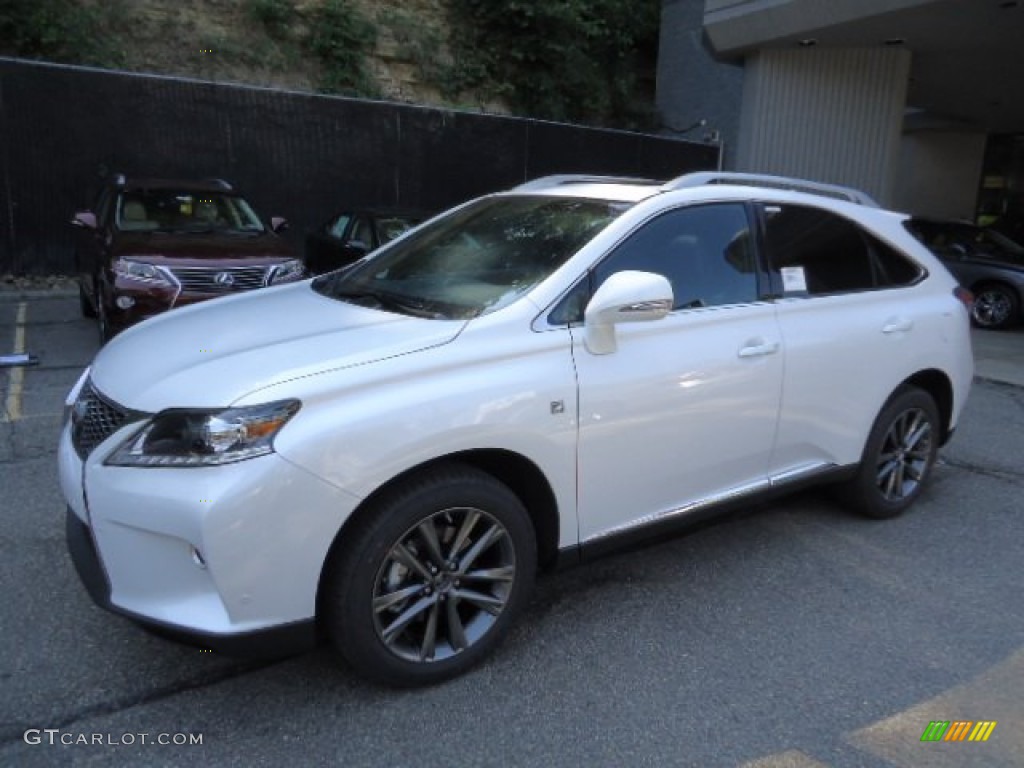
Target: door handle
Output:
{"points": [[897, 324], [758, 348]]}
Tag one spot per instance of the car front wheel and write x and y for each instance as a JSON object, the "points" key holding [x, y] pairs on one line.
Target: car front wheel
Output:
{"points": [[431, 578], [898, 457], [995, 306]]}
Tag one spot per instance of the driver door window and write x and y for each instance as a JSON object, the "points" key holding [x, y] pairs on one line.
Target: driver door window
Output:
{"points": [[705, 252]]}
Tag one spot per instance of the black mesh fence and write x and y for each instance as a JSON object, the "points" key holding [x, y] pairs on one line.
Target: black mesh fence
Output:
{"points": [[301, 156]]}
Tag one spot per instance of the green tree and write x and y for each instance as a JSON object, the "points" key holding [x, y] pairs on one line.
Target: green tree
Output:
{"points": [[577, 60]]}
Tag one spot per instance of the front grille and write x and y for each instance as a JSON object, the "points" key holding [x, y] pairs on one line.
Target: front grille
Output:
{"points": [[220, 280], [93, 420]]}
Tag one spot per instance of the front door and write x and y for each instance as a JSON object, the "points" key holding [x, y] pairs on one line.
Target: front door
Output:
{"points": [[684, 410]]}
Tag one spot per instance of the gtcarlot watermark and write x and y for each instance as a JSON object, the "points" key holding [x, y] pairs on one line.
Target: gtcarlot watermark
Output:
{"points": [[55, 736]]}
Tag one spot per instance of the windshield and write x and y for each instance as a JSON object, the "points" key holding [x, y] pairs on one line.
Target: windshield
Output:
{"points": [[175, 211], [954, 240], [475, 260]]}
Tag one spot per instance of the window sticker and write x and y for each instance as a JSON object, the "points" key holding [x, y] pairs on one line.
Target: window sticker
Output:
{"points": [[794, 280]]}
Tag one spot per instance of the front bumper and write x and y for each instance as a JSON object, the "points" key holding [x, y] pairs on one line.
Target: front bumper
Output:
{"points": [[228, 557], [273, 642]]}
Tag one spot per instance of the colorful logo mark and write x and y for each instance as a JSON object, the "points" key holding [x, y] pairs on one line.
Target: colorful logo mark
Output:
{"points": [[958, 730]]}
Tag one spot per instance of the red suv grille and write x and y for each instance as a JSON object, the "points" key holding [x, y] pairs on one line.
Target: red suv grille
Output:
{"points": [[214, 280]]}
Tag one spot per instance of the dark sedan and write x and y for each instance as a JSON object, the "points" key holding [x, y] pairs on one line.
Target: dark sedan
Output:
{"points": [[351, 234], [988, 263]]}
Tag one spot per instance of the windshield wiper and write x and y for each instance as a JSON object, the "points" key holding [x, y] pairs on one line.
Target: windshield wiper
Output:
{"points": [[388, 301]]}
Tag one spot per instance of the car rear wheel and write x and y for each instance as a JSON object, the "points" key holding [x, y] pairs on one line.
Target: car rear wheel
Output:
{"points": [[995, 306], [898, 457], [431, 578]]}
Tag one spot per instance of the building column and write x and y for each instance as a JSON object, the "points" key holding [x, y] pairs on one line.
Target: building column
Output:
{"points": [[832, 115]]}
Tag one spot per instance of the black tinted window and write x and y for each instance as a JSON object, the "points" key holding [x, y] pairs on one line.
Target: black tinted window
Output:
{"points": [[704, 251], [818, 252], [892, 267]]}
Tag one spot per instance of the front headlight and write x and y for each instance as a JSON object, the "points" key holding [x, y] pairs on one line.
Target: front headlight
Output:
{"points": [[289, 270], [139, 270], [184, 438]]}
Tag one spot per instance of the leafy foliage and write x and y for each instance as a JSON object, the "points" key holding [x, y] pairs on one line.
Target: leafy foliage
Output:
{"points": [[58, 30], [275, 15], [342, 38], [589, 61], [576, 60]]}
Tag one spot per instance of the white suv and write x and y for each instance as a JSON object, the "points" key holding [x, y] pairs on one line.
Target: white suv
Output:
{"points": [[386, 454]]}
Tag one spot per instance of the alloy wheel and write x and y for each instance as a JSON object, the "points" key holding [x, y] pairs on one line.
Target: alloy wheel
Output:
{"points": [[905, 454], [992, 308], [443, 584]]}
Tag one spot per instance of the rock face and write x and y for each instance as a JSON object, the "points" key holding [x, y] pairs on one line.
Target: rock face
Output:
{"points": [[225, 40]]}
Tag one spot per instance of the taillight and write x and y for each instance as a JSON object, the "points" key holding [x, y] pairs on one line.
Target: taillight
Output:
{"points": [[966, 297]]}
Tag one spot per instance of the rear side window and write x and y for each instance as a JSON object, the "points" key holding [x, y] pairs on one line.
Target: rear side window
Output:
{"points": [[818, 253]]}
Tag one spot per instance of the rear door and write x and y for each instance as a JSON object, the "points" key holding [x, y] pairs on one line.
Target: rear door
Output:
{"points": [[855, 323]]}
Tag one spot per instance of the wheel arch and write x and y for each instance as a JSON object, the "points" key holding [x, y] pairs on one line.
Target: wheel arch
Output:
{"points": [[984, 282], [938, 385], [522, 476]]}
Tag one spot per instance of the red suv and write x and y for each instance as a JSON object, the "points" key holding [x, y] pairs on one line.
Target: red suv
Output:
{"points": [[150, 245]]}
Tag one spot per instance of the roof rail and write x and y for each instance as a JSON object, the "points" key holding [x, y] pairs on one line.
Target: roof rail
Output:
{"points": [[222, 184], [558, 180], [772, 182]]}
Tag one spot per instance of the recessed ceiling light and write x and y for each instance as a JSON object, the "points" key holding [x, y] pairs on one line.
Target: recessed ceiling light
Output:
{"points": [[1007, 4], [808, 42], [895, 41]]}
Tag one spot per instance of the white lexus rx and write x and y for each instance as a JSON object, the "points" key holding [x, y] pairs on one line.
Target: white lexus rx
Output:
{"points": [[385, 456]]}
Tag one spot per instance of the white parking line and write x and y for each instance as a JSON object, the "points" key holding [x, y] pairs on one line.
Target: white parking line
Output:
{"points": [[16, 375]]}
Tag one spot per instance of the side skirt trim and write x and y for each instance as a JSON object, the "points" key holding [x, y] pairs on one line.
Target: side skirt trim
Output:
{"points": [[672, 521]]}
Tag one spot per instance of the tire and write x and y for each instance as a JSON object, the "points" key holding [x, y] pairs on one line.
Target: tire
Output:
{"points": [[898, 457], [88, 310], [429, 580], [996, 306]]}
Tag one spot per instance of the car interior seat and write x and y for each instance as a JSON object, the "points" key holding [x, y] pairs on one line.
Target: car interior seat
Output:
{"points": [[134, 217]]}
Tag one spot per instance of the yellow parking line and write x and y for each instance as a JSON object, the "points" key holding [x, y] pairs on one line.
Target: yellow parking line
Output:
{"points": [[16, 381]]}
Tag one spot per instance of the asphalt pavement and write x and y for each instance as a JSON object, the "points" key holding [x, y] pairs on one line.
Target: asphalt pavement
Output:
{"points": [[793, 635]]}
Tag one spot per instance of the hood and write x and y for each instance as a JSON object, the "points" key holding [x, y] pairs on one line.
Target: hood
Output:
{"points": [[183, 249], [211, 354]]}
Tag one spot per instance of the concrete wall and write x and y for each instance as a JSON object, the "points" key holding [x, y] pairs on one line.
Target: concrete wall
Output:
{"points": [[938, 174], [693, 86], [832, 115]]}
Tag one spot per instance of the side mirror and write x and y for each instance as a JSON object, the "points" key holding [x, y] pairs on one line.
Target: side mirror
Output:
{"points": [[84, 219], [278, 224], [625, 297]]}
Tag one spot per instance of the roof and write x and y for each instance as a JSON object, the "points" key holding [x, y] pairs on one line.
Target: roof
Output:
{"points": [[186, 185], [635, 190]]}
